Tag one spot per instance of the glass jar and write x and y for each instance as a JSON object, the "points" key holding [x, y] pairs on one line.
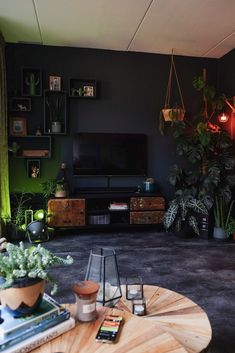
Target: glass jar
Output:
{"points": [[85, 293]]}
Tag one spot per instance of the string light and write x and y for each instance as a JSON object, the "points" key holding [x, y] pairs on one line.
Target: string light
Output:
{"points": [[223, 118]]}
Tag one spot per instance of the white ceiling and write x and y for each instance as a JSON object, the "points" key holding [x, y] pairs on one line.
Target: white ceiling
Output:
{"points": [[202, 28]]}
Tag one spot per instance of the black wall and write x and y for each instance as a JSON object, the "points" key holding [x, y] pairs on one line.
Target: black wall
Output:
{"points": [[131, 92]]}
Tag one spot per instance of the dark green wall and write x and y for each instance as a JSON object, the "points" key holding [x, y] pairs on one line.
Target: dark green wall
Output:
{"points": [[132, 88]]}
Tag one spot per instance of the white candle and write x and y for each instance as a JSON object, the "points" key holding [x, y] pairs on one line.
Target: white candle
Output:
{"points": [[132, 293], [139, 309]]}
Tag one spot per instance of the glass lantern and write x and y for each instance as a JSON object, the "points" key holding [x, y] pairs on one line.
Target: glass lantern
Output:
{"points": [[134, 288], [102, 268]]}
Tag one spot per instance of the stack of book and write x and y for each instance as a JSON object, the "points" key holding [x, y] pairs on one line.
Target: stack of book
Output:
{"points": [[118, 206], [23, 334]]}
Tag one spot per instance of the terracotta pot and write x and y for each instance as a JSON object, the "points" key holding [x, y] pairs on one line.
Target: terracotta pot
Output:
{"points": [[176, 114], [24, 297]]}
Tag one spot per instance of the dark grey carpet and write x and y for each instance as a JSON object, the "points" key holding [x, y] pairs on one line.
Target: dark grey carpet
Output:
{"points": [[200, 269]]}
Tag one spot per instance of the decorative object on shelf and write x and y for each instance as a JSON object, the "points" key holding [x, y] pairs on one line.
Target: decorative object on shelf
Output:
{"points": [[19, 104], [33, 168], [103, 269], [18, 127], [85, 293], [134, 288], [82, 88], [149, 185], [38, 132], [23, 281], [14, 148], [31, 146], [139, 307], [54, 83], [62, 185], [54, 112], [169, 112], [31, 82]]}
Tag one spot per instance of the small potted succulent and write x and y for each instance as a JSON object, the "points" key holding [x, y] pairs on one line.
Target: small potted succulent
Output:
{"points": [[23, 273]]}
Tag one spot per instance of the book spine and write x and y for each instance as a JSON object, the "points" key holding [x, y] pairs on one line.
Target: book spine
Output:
{"points": [[31, 323], [5, 333], [42, 337], [42, 326]]}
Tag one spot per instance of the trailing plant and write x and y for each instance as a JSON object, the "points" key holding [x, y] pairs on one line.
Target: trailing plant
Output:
{"points": [[32, 262]]}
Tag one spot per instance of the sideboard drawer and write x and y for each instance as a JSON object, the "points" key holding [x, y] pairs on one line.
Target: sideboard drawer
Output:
{"points": [[66, 213], [147, 217], [147, 203]]}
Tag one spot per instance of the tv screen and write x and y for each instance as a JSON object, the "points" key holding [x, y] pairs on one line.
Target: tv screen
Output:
{"points": [[110, 154]]}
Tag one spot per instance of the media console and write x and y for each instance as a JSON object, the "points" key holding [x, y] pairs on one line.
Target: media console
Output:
{"points": [[106, 208]]}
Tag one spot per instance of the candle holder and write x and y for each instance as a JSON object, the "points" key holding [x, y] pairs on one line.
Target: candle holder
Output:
{"points": [[139, 307], [102, 268], [134, 288]]}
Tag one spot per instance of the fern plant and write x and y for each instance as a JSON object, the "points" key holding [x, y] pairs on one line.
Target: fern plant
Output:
{"points": [[32, 262]]}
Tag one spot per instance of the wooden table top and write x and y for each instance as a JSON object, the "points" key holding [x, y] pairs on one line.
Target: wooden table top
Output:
{"points": [[173, 324]]}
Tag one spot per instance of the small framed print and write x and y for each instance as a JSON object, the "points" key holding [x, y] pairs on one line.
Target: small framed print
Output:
{"points": [[54, 83], [33, 168], [88, 91], [18, 127]]}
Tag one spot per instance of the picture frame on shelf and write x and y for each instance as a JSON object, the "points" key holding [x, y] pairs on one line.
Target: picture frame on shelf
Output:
{"points": [[33, 168], [88, 91], [18, 126], [19, 104], [31, 84], [54, 83]]}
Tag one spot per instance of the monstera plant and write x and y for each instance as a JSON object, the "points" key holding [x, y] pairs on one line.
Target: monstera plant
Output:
{"points": [[209, 150]]}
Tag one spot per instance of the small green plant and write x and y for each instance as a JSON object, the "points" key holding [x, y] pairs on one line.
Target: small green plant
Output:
{"points": [[222, 212], [31, 262], [20, 202]]}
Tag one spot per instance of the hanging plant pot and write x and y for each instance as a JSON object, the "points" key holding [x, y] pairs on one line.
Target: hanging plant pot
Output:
{"points": [[175, 114], [24, 296]]}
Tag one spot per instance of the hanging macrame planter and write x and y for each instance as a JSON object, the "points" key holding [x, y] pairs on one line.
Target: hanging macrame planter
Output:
{"points": [[175, 113]]}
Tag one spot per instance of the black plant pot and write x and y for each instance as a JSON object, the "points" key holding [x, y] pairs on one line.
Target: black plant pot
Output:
{"points": [[186, 231], [13, 233]]}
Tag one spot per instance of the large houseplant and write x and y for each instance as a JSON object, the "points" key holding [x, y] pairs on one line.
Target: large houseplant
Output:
{"points": [[23, 273], [209, 150]]}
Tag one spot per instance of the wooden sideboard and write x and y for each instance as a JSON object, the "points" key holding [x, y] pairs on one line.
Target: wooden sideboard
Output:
{"points": [[106, 210]]}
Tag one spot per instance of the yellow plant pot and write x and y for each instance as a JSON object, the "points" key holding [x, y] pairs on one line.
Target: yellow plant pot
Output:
{"points": [[176, 114]]}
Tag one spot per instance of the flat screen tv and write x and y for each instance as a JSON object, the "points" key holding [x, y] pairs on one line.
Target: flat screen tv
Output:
{"points": [[110, 154]]}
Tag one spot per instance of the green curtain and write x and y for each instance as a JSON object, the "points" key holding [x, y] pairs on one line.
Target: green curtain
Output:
{"points": [[5, 209]]}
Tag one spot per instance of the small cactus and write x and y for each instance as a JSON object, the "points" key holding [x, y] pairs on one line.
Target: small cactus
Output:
{"points": [[32, 82]]}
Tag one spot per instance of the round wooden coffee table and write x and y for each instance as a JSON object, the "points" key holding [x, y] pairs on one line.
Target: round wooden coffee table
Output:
{"points": [[174, 324]]}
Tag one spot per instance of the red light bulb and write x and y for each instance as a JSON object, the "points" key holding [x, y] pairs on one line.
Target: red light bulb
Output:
{"points": [[223, 118]]}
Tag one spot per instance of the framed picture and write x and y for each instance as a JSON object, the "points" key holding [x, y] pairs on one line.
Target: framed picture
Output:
{"points": [[19, 104], [31, 84], [33, 168], [54, 83], [18, 127], [88, 91]]}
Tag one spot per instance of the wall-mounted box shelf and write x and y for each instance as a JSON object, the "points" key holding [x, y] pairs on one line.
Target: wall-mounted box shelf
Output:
{"points": [[31, 82], [82, 88], [19, 104], [30, 146], [55, 112]]}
